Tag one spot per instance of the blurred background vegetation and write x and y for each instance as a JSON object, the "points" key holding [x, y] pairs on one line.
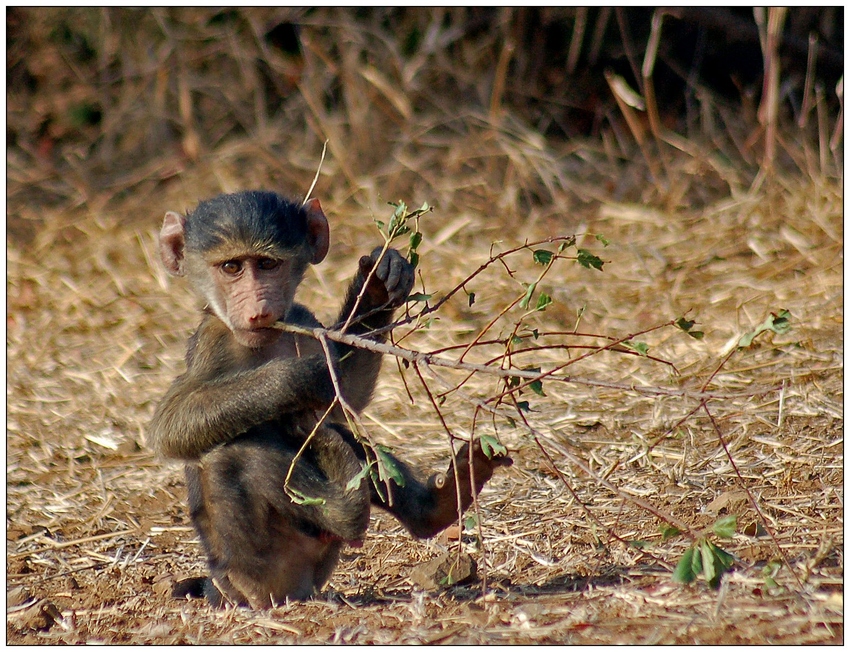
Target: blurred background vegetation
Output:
{"points": [[489, 111]]}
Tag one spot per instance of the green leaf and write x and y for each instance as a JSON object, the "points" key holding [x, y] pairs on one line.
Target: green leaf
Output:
{"points": [[640, 545], [528, 292], [768, 574], [747, 339], [516, 339], [566, 243], [415, 240], [388, 468], [524, 406], [708, 570], [413, 258], [605, 241], [587, 259], [418, 296], [375, 477], [354, 483], [723, 559], [778, 322], [543, 300], [640, 347], [715, 562], [668, 531], [725, 527], [537, 387], [543, 257], [300, 498], [512, 381], [534, 333], [491, 446], [471, 298], [696, 562], [685, 324], [781, 322], [685, 568], [470, 522]]}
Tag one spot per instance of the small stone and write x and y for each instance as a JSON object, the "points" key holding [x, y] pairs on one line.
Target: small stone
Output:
{"points": [[444, 571], [453, 532], [17, 596], [731, 501], [163, 586], [39, 617], [19, 566], [129, 447]]}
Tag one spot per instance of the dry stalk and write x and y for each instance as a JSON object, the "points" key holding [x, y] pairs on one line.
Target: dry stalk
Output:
{"points": [[770, 35], [429, 359]]}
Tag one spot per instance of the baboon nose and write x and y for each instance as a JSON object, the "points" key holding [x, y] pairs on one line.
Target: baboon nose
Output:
{"points": [[261, 317]]}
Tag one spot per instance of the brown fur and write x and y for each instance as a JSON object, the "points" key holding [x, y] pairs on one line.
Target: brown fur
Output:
{"points": [[251, 395]]}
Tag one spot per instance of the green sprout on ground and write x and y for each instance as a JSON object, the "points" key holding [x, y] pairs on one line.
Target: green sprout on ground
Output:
{"points": [[704, 557]]}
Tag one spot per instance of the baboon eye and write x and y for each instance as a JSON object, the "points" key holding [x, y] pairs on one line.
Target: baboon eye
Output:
{"points": [[267, 263], [231, 267]]}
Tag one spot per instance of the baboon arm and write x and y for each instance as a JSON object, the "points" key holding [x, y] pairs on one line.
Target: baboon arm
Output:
{"points": [[225, 391], [389, 287], [426, 508], [196, 415]]}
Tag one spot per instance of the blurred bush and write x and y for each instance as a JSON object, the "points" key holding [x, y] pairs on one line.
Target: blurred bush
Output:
{"points": [[107, 98]]}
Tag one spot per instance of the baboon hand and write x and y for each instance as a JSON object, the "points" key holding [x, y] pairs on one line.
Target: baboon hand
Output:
{"points": [[481, 467], [392, 281]]}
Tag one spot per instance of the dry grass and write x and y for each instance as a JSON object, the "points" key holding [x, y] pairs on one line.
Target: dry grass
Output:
{"points": [[97, 527]]}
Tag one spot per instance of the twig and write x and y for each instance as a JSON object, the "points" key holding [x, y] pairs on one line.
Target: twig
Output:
{"points": [[751, 498], [622, 23], [536, 434], [430, 359], [548, 374], [75, 542], [577, 39], [318, 171], [500, 80], [809, 83], [609, 530]]}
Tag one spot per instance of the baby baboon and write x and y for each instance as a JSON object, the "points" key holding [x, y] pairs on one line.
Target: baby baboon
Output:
{"points": [[252, 394]]}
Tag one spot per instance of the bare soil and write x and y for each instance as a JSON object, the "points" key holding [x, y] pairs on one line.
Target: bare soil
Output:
{"points": [[97, 527]]}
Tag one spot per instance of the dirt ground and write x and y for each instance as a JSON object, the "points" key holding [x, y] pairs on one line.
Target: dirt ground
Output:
{"points": [[568, 541], [97, 527]]}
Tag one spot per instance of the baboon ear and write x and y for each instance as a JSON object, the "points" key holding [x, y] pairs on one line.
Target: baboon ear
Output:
{"points": [[172, 243], [318, 232]]}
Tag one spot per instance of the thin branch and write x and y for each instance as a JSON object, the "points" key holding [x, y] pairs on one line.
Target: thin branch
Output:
{"points": [[536, 434], [750, 496], [318, 172], [433, 360]]}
